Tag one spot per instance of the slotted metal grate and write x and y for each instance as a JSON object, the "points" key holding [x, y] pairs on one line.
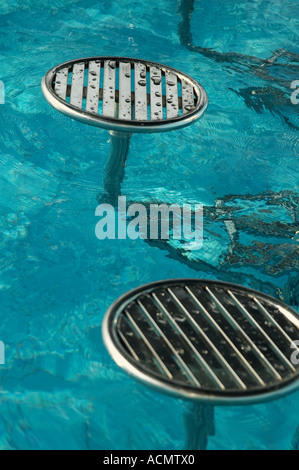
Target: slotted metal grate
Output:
{"points": [[205, 340], [125, 94]]}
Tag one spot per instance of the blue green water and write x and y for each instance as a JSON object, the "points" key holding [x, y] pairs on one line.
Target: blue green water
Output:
{"points": [[59, 388]]}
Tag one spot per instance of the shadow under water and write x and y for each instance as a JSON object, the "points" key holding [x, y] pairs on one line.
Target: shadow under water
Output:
{"points": [[248, 240], [277, 71]]}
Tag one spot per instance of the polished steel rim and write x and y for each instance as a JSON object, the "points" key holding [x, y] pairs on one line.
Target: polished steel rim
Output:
{"points": [[205, 340], [125, 94]]}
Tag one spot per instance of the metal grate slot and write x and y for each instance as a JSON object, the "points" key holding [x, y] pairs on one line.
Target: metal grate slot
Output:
{"points": [[76, 96], [206, 335], [225, 337], [124, 91], [140, 92], [187, 97], [262, 369], [233, 339], [156, 94], [131, 341], [175, 349], [177, 320], [272, 314], [287, 324], [149, 340], [172, 98], [61, 80], [93, 87], [109, 88], [210, 338], [249, 330], [264, 333]]}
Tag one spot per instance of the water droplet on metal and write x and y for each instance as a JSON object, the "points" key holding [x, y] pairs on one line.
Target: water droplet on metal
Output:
{"points": [[142, 74], [179, 318], [127, 100], [160, 318], [158, 104], [189, 107], [128, 75], [158, 94], [112, 64], [156, 80], [142, 82]]}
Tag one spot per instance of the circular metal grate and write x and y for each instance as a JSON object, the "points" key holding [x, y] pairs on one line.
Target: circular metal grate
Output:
{"points": [[124, 94], [205, 340]]}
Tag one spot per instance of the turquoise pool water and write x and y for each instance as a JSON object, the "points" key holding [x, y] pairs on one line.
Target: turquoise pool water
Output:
{"points": [[59, 388]]}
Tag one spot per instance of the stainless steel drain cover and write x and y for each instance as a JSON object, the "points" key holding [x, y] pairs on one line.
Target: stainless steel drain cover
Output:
{"points": [[124, 94], [205, 340]]}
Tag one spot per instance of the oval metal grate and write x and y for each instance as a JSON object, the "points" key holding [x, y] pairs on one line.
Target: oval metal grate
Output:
{"points": [[125, 94], [205, 340]]}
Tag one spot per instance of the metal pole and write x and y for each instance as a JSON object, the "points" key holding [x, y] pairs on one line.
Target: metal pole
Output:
{"points": [[199, 425], [115, 168]]}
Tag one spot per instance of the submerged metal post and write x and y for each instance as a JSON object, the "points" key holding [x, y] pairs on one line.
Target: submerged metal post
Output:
{"points": [[199, 424], [209, 342], [115, 168], [123, 95]]}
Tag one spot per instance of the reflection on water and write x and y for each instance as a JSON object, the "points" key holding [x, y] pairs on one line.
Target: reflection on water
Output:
{"points": [[251, 240], [277, 71]]}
